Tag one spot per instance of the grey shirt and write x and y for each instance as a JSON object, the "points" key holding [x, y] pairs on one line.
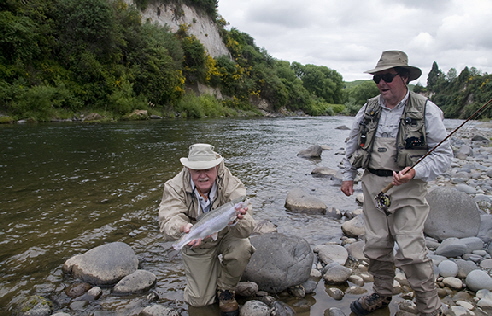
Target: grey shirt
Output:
{"points": [[431, 166]]}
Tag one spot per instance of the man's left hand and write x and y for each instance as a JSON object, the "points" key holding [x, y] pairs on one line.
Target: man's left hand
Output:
{"points": [[241, 212]]}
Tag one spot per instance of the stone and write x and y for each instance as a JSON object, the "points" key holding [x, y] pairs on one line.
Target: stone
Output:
{"points": [[478, 280], [448, 268], [137, 282], [300, 201], [453, 283], [158, 310], [451, 247], [279, 262], [354, 227], [336, 273], [453, 214], [311, 152], [255, 308], [465, 267], [356, 250], [103, 265], [331, 253]]}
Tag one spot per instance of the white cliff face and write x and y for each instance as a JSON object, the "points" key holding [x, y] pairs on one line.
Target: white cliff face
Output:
{"points": [[200, 25]]}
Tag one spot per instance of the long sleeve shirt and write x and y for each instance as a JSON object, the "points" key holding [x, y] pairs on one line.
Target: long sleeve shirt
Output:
{"points": [[431, 166]]}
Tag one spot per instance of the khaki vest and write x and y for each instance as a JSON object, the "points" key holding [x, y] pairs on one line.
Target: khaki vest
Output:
{"points": [[411, 141]]}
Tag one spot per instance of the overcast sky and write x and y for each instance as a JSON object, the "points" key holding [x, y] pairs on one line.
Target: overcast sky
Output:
{"points": [[349, 35]]}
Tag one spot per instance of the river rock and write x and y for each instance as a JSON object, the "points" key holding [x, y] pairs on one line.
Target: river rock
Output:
{"points": [[356, 250], [35, 306], [324, 172], [246, 289], [77, 289], [300, 201], [448, 268], [333, 311], [137, 282], [158, 310], [453, 214], [311, 152], [279, 262], [472, 244], [451, 248], [478, 280], [453, 283], [486, 264], [281, 309], [331, 253], [485, 232], [103, 265], [354, 227], [465, 267], [255, 308], [336, 273]]}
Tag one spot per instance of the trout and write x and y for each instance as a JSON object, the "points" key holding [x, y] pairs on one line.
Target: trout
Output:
{"points": [[212, 222]]}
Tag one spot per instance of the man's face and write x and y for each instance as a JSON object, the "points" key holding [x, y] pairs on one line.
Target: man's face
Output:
{"points": [[393, 90], [204, 178]]}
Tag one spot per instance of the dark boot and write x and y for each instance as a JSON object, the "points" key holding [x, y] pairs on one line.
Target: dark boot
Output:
{"points": [[227, 303], [369, 303]]}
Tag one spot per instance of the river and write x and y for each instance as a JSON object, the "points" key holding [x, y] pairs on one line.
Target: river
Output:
{"points": [[66, 188]]}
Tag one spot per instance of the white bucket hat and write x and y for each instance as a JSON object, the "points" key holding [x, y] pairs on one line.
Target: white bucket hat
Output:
{"points": [[390, 59], [201, 156]]}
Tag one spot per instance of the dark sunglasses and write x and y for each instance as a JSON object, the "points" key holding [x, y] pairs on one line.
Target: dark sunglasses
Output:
{"points": [[387, 77]]}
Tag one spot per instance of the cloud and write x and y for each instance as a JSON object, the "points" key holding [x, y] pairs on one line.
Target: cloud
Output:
{"points": [[349, 36]]}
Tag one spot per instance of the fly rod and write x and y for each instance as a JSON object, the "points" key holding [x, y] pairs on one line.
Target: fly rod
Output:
{"points": [[383, 201]]}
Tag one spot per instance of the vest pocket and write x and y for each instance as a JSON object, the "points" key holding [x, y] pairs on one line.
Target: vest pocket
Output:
{"points": [[407, 158]]}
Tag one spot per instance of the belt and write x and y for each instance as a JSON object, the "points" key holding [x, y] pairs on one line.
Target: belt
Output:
{"points": [[381, 172]]}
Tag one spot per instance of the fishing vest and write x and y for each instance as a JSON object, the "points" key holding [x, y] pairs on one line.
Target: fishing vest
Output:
{"points": [[411, 141]]}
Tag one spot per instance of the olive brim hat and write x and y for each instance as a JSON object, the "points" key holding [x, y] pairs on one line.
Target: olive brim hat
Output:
{"points": [[201, 156], [390, 59]]}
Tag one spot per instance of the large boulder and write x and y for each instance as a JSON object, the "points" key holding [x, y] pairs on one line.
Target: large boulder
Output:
{"points": [[279, 262], [300, 201], [452, 214], [103, 265]]}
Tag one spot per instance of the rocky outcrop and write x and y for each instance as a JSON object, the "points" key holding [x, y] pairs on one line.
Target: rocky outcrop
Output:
{"points": [[199, 24]]}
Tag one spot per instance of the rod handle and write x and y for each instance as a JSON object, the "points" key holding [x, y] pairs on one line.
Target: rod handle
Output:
{"points": [[386, 189]]}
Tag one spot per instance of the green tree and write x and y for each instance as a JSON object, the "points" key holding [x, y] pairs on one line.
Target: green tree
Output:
{"points": [[435, 78]]}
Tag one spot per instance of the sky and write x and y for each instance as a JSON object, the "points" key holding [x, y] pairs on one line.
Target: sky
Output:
{"points": [[349, 35]]}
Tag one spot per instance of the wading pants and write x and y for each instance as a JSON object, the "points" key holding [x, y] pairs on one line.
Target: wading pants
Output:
{"points": [[205, 273], [405, 228]]}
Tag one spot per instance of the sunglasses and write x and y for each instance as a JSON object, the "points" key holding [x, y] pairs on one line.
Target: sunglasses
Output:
{"points": [[387, 77]]}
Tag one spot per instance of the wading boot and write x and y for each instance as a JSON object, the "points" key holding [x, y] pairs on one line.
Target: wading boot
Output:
{"points": [[369, 303], [227, 303]]}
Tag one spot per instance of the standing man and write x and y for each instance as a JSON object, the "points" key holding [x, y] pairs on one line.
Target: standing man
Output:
{"points": [[203, 185], [390, 133]]}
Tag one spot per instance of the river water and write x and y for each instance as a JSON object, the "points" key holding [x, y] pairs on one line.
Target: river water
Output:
{"points": [[66, 188]]}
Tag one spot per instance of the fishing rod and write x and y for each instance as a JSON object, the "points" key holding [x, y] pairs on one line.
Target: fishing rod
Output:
{"points": [[383, 201]]}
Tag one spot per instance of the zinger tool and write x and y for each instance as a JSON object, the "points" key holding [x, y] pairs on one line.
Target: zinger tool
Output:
{"points": [[383, 200]]}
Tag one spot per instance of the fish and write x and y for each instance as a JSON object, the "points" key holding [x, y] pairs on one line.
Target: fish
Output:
{"points": [[212, 222]]}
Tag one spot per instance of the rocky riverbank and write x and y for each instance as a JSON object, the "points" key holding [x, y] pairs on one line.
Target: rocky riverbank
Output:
{"points": [[462, 257]]}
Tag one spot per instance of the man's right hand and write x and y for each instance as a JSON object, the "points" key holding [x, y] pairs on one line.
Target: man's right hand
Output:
{"points": [[347, 187]]}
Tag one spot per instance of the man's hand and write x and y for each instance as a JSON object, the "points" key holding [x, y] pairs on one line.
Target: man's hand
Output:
{"points": [[403, 176], [241, 211], [347, 187], [186, 229]]}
